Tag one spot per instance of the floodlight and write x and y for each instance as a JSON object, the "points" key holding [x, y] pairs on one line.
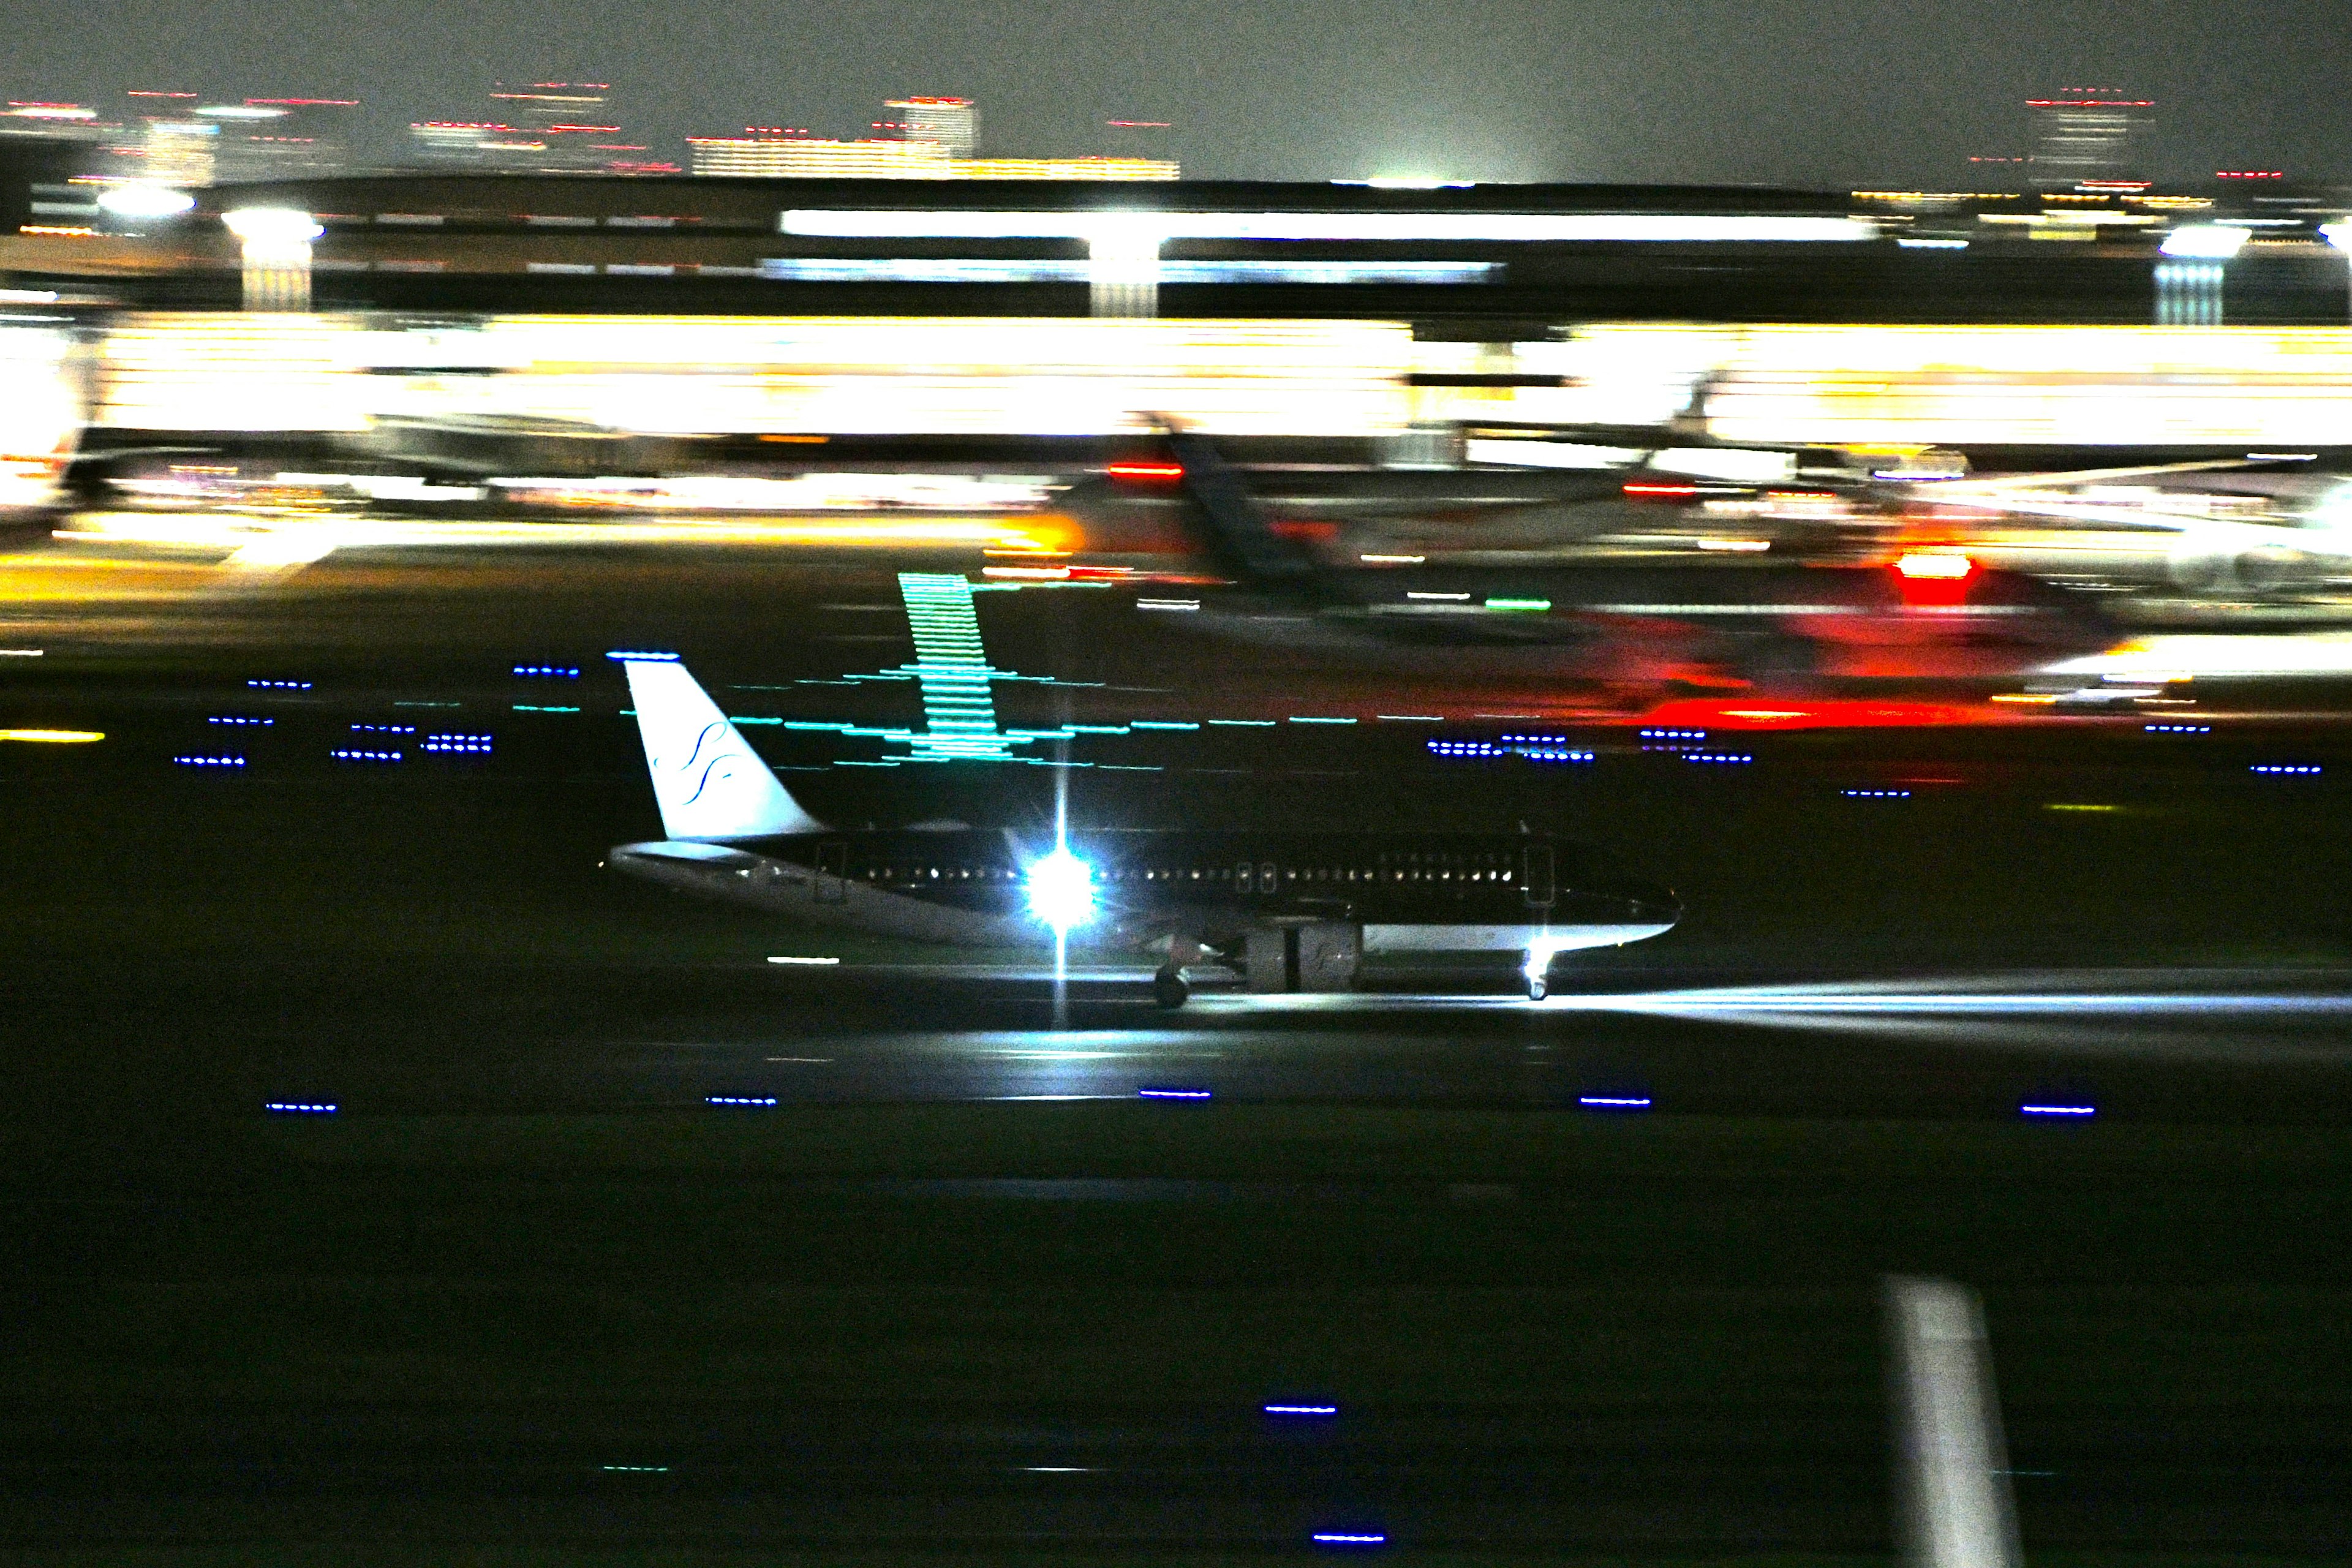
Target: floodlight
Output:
{"points": [[144, 201], [2206, 241], [272, 225]]}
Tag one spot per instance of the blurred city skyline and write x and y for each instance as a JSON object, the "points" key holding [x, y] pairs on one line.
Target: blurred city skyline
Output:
{"points": [[1827, 95]]}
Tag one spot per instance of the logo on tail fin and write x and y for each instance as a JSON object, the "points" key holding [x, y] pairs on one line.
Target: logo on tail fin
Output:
{"points": [[706, 779]]}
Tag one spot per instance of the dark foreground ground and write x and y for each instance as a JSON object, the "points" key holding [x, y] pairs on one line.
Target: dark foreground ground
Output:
{"points": [[959, 1296]]}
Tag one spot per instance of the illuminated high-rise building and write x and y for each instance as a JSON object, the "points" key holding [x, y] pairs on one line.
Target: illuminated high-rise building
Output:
{"points": [[160, 141], [280, 138], [439, 143], [2092, 137], [537, 128], [814, 158], [73, 121], [775, 157], [558, 127], [951, 122], [930, 139]]}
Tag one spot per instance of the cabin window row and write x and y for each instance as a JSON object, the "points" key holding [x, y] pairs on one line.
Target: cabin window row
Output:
{"points": [[1263, 875], [1259, 875]]}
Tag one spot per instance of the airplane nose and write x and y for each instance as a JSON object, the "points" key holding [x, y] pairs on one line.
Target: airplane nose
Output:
{"points": [[1650, 904]]}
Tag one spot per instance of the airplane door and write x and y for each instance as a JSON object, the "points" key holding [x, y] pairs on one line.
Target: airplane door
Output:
{"points": [[831, 883], [1536, 876]]}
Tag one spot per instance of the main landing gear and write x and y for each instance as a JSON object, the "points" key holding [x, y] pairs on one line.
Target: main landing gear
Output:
{"points": [[1537, 988], [1168, 988]]}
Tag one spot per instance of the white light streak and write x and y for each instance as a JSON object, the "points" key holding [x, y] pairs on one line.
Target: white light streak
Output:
{"points": [[1503, 227]]}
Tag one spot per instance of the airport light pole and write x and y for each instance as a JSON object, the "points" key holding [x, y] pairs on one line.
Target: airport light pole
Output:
{"points": [[2193, 259], [2339, 234], [276, 255]]}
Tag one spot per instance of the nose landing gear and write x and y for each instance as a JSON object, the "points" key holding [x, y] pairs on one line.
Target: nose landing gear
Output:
{"points": [[1537, 973]]}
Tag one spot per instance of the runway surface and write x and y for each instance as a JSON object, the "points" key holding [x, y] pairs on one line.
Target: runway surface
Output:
{"points": [[555, 1270]]}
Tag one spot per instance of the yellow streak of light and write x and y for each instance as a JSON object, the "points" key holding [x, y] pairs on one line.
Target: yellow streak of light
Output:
{"points": [[54, 737], [236, 531]]}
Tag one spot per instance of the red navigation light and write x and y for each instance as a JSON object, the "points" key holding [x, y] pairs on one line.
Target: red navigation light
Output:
{"points": [[1662, 493], [1302, 528], [1818, 713], [1147, 473]]}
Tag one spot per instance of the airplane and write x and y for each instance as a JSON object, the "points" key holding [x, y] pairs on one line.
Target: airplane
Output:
{"points": [[2261, 525], [1288, 911], [2228, 529], [1753, 620]]}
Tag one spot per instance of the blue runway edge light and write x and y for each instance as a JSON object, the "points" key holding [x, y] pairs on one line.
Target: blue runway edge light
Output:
{"points": [[738, 1100], [237, 719], [1614, 1101], [350, 754], [280, 685], [2033, 1108], [2286, 768], [1350, 1538], [548, 671], [298, 1107], [1302, 1412], [651, 655], [192, 761], [1172, 1094]]}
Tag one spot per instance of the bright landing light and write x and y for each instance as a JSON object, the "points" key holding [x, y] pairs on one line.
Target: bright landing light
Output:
{"points": [[1062, 889]]}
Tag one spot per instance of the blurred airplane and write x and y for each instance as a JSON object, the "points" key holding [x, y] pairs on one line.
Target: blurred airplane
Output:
{"points": [[1290, 912], [2241, 529], [1708, 619]]}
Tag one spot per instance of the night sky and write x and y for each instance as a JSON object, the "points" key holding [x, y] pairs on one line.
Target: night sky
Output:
{"points": [[1847, 92]]}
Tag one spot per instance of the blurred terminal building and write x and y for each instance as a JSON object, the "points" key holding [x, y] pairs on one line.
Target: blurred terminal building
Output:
{"points": [[541, 203], [784, 240], [537, 267]]}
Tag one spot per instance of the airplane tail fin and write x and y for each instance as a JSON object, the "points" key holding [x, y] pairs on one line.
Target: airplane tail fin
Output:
{"points": [[709, 784], [1240, 539]]}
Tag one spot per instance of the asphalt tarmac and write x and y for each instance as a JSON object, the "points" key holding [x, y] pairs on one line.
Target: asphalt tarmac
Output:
{"points": [[554, 1271]]}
